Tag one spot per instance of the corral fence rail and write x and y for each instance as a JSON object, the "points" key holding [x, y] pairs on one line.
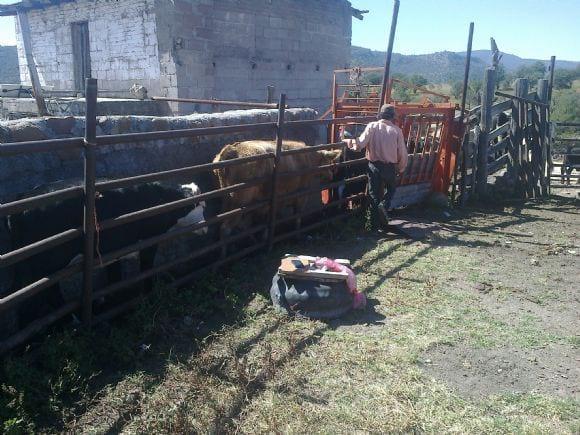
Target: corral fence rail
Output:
{"points": [[91, 188]]}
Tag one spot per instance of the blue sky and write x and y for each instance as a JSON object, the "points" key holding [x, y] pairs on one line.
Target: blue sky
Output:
{"points": [[527, 28]]}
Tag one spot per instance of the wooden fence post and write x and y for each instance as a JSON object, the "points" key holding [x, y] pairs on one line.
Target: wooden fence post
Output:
{"points": [[517, 135], [485, 126], [89, 224], [22, 18], [551, 71], [274, 197], [543, 94], [461, 154]]}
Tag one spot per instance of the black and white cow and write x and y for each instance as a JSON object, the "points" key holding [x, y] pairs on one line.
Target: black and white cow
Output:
{"points": [[37, 224]]}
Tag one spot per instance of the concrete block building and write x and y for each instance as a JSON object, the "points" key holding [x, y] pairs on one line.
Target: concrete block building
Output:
{"points": [[223, 49]]}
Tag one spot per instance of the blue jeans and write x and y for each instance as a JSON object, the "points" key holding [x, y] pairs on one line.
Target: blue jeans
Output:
{"points": [[381, 174]]}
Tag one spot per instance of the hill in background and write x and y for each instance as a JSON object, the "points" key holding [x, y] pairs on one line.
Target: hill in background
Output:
{"points": [[9, 64], [443, 66]]}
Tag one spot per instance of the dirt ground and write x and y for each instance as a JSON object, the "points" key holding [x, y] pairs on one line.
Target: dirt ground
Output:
{"points": [[474, 329]]}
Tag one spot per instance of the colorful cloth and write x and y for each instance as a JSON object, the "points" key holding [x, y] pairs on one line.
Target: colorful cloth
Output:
{"points": [[359, 299]]}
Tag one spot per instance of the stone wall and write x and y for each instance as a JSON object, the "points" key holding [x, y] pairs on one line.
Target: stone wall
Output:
{"points": [[20, 175], [15, 108], [122, 36]]}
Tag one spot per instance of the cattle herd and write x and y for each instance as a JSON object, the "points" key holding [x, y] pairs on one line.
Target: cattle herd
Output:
{"points": [[22, 229]]}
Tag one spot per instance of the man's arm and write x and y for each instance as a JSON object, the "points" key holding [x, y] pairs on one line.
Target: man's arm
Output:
{"points": [[402, 153], [362, 141]]}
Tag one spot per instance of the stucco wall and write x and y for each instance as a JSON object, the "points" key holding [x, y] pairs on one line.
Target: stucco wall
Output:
{"points": [[123, 43], [233, 49]]}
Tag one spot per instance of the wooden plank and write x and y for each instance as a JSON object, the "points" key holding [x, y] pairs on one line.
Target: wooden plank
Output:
{"points": [[485, 126], [498, 131], [543, 92], [502, 106], [498, 164], [26, 42], [502, 145]]}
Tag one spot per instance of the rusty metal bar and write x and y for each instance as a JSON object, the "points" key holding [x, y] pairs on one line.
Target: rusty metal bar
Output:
{"points": [[313, 226], [177, 134], [187, 230], [176, 205], [37, 286], [40, 146], [28, 251], [322, 187], [323, 207], [313, 148], [276, 169], [181, 281], [175, 173], [366, 69], [345, 120], [33, 202], [89, 226], [218, 102], [323, 168], [35, 327], [114, 288], [117, 310], [387, 70]]}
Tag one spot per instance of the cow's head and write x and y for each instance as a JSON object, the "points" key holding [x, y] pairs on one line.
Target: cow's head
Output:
{"points": [[328, 157]]}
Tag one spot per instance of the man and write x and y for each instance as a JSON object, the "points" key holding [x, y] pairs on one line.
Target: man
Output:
{"points": [[387, 156]]}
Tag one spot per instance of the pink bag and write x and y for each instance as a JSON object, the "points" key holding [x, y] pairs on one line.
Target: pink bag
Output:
{"points": [[359, 300]]}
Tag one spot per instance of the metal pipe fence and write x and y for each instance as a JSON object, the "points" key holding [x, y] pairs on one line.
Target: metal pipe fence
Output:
{"points": [[87, 195]]}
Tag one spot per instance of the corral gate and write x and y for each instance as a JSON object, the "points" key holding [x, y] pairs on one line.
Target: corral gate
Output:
{"points": [[432, 132]]}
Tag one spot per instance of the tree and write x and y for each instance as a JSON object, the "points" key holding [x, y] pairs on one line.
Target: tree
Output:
{"points": [[500, 75], [374, 79], [566, 106], [563, 78], [474, 92], [457, 89], [532, 72], [418, 80]]}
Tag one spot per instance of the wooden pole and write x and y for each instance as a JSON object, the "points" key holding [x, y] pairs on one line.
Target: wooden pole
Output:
{"points": [[277, 155], [387, 71], [485, 126], [551, 85], [89, 224], [34, 79], [461, 151], [521, 91], [545, 169]]}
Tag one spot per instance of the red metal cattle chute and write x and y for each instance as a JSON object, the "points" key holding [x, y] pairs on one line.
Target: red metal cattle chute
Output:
{"points": [[432, 132]]}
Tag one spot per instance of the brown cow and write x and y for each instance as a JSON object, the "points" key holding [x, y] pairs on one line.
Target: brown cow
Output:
{"points": [[245, 172]]}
